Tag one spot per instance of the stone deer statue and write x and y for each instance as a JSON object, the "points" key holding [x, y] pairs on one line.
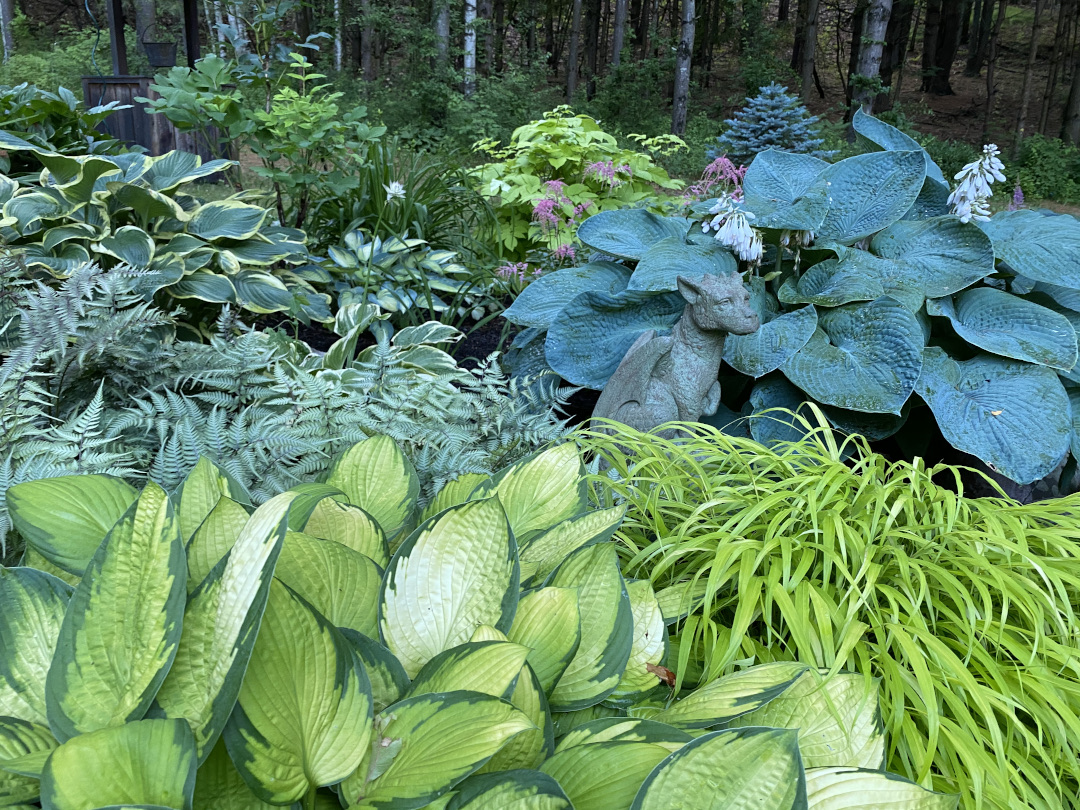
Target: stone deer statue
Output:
{"points": [[674, 378]]}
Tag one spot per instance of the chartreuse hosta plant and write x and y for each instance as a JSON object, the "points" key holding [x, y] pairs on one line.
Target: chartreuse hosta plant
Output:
{"points": [[128, 209], [340, 646], [876, 302]]}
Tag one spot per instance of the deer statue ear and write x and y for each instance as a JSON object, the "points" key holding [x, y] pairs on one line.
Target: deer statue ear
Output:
{"points": [[690, 290]]}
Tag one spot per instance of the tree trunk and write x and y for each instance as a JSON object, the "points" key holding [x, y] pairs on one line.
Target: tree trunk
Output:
{"points": [[809, 48], [682, 69], [619, 33], [469, 59], [930, 41], [485, 11], [948, 43], [892, 55], [868, 67], [971, 25], [442, 33], [800, 33], [339, 36], [1029, 76], [979, 42], [858, 17], [592, 45], [145, 20], [991, 64], [1070, 119], [367, 42], [7, 16], [1056, 59], [500, 35], [782, 11], [572, 51]]}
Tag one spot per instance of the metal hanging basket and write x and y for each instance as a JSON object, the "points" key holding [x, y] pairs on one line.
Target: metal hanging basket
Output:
{"points": [[160, 54]]}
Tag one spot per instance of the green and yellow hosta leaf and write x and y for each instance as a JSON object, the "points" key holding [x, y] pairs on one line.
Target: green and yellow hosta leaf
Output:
{"points": [[532, 746], [123, 624], [65, 519], [378, 478], [16, 790], [148, 762], [388, 679], [351, 526], [650, 645], [856, 789], [566, 722], [732, 696], [548, 623], [545, 552], [606, 775], [838, 719], [425, 745], [213, 539], [31, 559], [607, 628], [32, 607], [24, 747], [220, 624], [338, 582], [491, 667], [219, 785], [453, 493], [451, 575], [539, 491], [510, 790], [303, 716], [738, 769], [205, 485], [625, 729]]}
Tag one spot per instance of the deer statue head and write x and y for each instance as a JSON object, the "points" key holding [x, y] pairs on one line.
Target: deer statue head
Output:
{"points": [[719, 304]]}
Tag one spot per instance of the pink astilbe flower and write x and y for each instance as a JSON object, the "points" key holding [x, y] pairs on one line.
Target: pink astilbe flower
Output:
{"points": [[513, 272], [721, 172], [555, 188], [565, 253], [607, 171], [545, 211], [1017, 199]]}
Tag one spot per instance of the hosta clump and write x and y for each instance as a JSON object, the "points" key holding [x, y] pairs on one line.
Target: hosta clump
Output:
{"points": [[876, 303], [340, 644], [129, 209]]}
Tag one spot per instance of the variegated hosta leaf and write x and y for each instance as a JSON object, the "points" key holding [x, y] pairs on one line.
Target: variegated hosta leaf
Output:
{"points": [[303, 716], [378, 478], [31, 559], [219, 785], [566, 722], [454, 573], [625, 729], [351, 526], [425, 745], [220, 623], [148, 762], [123, 625], [604, 776], [453, 493], [856, 789], [532, 746], [607, 628], [204, 486], [732, 696], [548, 623], [838, 719], [510, 790], [16, 789], [491, 667], [387, 677], [737, 769], [539, 491], [338, 582], [213, 539], [545, 552], [650, 645], [66, 518], [32, 607], [24, 747]]}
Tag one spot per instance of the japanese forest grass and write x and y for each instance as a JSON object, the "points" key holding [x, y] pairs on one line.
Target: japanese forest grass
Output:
{"points": [[966, 609]]}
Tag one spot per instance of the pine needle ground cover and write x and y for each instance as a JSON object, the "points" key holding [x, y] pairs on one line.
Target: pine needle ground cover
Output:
{"points": [[965, 609]]}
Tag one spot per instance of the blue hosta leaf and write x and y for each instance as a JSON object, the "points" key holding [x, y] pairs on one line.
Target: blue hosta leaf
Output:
{"points": [[1073, 392], [779, 337], [588, 341], [864, 357], [176, 168], [628, 233], [933, 201], [784, 191], [870, 192], [541, 302], [891, 139], [770, 426], [129, 244], [873, 426], [1040, 247], [831, 284], [1010, 326], [261, 292], [1063, 296], [670, 258], [227, 219], [1014, 416], [206, 286], [935, 257]]}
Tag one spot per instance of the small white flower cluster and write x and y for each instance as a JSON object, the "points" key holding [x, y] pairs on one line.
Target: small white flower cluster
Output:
{"points": [[797, 239], [733, 230], [394, 191], [970, 200]]}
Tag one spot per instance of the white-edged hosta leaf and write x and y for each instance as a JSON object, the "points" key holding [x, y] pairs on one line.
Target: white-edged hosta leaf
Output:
{"points": [[491, 667], [65, 519], [540, 490], [453, 493], [607, 628], [425, 745], [510, 790], [549, 624], [213, 538], [455, 572], [349, 525], [219, 785], [737, 769], [649, 648], [532, 746], [545, 552], [837, 717], [377, 477], [226, 219], [32, 607], [341, 584], [303, 716], [732, 696], [24, 747], [625, 729], [220, 624], [857, 789], [604, 776], [148, 762], [123, 624], [388, 679], [198, 494], [130, 244]]}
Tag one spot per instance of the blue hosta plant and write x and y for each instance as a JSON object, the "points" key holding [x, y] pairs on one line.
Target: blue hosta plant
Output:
{"points": [[339, 645], [876, 301]]}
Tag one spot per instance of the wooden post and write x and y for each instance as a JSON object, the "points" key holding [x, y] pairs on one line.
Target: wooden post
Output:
{"points": [[191, 31], [114, 9]]}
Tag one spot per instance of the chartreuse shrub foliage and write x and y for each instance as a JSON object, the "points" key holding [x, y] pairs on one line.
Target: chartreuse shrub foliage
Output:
{"points": [[875, 301], [339, 643], [963, 610]]}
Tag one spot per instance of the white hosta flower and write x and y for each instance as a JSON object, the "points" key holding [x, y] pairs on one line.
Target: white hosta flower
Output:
{"points": [[971, 198], [733, 230], [394, 191]]}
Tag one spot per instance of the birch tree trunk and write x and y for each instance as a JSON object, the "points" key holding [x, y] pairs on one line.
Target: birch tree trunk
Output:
{"points": [[572, 54], [7, 15], [1029, 76], [868, 66], [339, 35], [442, 33], [619, 36], [682, 68], [469, 62], [219, 21]]}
